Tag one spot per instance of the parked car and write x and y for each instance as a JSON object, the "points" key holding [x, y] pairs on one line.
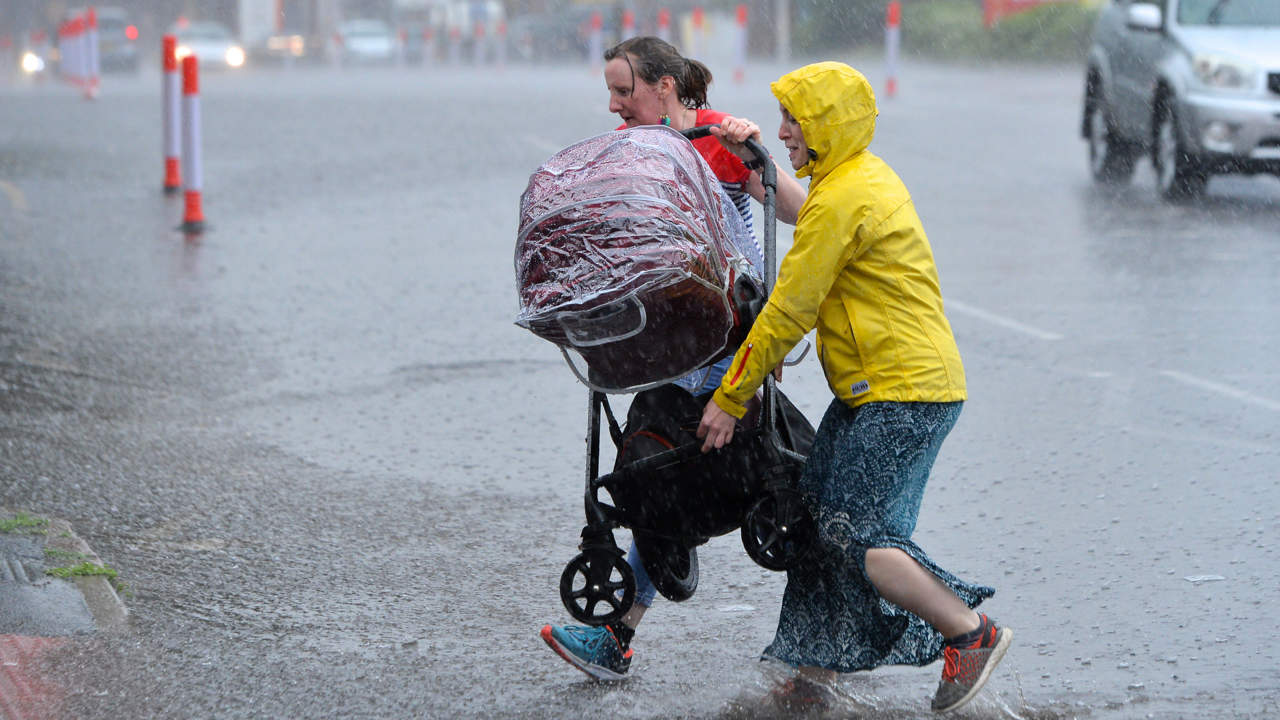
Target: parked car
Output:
{"points": [[1194, 83], [210, 42], [117, 40], [366, 41]]}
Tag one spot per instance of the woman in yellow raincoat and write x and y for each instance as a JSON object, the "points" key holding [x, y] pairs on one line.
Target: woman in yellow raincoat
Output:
{"points": [[861, 272]]}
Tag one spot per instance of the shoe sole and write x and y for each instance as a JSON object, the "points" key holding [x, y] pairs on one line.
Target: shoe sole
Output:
{"points": [[1004, 639], [595, 672]]}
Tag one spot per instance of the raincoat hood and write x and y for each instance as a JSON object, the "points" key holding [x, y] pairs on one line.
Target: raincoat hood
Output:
{"points": [[836, 109]]}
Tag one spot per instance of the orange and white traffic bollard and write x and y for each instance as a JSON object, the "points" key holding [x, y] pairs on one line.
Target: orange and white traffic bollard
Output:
{"points": [[501, 45], [478, 46], [93, 60], [428, 46], [595, 42], [170, 111], [628, 24], [699, 19], [740, 45], [664, 24], [893, 18], [71, 50], [193, 218], [455, 45]]}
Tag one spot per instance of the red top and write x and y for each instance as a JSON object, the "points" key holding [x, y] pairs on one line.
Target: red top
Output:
{"points": [[189, 84], [168, 48], [727, 167]]}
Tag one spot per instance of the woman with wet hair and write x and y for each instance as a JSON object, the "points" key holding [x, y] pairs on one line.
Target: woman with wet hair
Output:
{"points": [[651, 83]]}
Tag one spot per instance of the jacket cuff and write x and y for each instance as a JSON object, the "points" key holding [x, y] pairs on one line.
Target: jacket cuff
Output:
{"points": [[735, 409]]}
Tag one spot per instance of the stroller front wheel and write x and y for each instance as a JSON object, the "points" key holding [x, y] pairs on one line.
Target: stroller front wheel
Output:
{"points": [[778, 529], [598, 576], [672, 568]]}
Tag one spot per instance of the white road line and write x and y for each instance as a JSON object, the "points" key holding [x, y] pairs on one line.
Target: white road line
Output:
{"points": [[1221, 389], [1000, 320]]}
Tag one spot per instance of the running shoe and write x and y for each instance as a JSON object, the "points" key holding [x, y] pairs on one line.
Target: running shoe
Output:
{"points": [[800, 696], [593, 650], [965, 668]]}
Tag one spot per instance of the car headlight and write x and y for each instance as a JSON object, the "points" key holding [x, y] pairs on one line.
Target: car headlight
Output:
{"points": [[235, 56], [1219, 72], [31, 63]]}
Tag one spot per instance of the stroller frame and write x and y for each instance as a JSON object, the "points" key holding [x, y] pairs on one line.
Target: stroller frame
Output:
{"points": [[598, 586]]}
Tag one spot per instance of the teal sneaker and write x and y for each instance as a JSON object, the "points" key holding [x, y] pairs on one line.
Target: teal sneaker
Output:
{"points": [[593, 650]]}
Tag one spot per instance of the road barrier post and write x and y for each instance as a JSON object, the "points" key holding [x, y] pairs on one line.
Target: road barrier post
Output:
{"points": [[740, 45], [170, 112], [699, 18], [893, 19], [193, 219], [501, 47], [595, 47], [92, 58]]}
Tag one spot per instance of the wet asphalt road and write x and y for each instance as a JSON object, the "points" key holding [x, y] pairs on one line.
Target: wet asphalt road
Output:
{"points": [[340, 483]]}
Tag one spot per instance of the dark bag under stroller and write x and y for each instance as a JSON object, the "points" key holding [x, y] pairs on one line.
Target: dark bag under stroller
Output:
{"points": [[673, 507]]}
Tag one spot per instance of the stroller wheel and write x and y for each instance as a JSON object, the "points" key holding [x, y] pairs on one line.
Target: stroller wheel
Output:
{"points": [[598, 577], [778, 529], [672, 568]]}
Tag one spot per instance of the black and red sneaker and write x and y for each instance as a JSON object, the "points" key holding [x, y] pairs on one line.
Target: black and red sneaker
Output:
{"points": [[968, 662]]}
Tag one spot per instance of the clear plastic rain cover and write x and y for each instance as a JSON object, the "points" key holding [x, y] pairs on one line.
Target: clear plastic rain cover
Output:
{"points": [[625, 255]]}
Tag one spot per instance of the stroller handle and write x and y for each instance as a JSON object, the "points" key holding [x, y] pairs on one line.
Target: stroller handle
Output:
{"points": [[769, 177], [768, 173]]}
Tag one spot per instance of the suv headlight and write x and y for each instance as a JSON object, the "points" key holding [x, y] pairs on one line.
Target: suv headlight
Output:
{"points": [[1220, 72]]}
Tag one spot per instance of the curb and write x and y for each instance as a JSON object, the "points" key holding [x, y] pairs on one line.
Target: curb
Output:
{"points": [[108, 611]]}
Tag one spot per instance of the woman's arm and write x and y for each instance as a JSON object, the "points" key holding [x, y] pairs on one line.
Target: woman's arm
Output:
{"points": [[733, 134]]}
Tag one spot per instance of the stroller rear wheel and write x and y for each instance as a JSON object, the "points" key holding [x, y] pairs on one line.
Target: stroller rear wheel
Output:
{"points": [[778, 529], [598, 576], [672, 568]]}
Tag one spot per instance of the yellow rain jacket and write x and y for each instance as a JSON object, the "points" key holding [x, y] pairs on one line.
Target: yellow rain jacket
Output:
{"points": [[860, 269]]}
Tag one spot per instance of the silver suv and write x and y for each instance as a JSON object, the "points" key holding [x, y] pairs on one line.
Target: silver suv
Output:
{"points": [[1194, 82]]}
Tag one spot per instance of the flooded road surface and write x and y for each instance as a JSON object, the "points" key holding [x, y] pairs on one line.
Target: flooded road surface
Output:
{"points": [[339, 482]]}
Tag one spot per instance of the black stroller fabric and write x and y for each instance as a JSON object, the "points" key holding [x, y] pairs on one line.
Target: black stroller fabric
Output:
{"points": [[625, 255], [694, 500]]}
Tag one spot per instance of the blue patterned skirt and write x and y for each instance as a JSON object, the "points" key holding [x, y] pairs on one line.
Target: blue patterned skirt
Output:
{"points": [[864, 482]]}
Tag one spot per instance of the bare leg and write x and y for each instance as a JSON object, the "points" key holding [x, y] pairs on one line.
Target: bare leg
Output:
{"points": [[817, 674], [905, 583]]}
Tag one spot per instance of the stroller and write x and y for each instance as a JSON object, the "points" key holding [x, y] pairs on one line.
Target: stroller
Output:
{"points": [[625, 259]]}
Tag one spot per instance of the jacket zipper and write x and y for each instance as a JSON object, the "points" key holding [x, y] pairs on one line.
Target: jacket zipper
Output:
{"points": [[742, 366]]}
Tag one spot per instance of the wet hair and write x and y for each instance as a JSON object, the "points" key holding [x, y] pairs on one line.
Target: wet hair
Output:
{"points": [[651, 58]]}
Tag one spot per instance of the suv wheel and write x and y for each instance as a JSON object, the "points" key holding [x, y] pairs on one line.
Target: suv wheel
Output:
{"points": [[1110, 158], [1178, 175]]}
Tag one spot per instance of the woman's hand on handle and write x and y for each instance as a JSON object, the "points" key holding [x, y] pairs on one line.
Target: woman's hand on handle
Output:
{"points": [[716, 427], [733, 134]]}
